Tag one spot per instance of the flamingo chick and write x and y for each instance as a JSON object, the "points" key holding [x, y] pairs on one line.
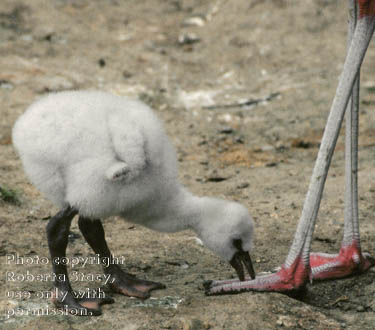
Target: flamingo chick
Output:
{"points": [[97, 155]]}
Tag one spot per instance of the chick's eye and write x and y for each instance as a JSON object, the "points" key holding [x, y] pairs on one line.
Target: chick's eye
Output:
{"points": [[237, 243]]}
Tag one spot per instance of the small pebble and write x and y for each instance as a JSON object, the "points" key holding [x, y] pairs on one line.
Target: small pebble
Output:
{"points": [[184, 265], [226, 130], [243, 185], [48, 37], [102, 62], [280, 322], [267, 148], [127, 74], [293, 205], [5, 84], [73, 236], [194, 21], [202, 142], [360, 309], [239, 139], [188, 38], [271, 164]]}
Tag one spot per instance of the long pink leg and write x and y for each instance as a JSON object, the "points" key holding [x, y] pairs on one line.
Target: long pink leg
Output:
{"points": [[296, 271], [350, 259]]}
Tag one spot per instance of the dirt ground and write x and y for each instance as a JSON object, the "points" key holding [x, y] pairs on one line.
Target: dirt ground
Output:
{"points": [[193, 62]]}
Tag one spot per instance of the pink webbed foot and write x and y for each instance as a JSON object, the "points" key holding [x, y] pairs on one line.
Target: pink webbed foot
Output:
{"points": [[288, 279], [349, 261]]}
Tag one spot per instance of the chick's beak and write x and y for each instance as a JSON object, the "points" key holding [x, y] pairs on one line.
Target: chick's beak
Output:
{"points": [[239, 260]]}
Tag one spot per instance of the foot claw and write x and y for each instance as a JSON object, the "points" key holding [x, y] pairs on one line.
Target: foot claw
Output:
{"points": [[207, 284]]}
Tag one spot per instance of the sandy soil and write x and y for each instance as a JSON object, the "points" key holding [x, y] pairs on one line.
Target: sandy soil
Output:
{"points": [[188, 59]]}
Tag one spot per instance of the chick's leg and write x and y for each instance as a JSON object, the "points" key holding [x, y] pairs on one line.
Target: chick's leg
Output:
{"points": [[120, 281], [63, 296]]}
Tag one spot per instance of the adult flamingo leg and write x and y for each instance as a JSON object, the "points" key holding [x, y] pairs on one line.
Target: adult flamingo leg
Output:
{"points": [[350, 259], [296, 270]]}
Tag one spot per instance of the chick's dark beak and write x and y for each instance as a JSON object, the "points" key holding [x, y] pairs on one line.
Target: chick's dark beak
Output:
{"points": [[240, 259]]}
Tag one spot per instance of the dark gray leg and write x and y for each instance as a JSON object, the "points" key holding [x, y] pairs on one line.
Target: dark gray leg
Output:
{"points": [[63, 296], [123, 283]]}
